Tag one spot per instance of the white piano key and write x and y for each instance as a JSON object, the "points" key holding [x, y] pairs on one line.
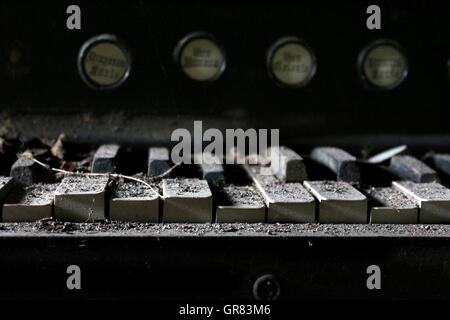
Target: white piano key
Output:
{"points": [[81, 199], [392, 206], [187, 200], [134, 202], [240, 204], [432, 198], [413, 169], [29, 203], [338, 202], [286, 202], [287, 165]]}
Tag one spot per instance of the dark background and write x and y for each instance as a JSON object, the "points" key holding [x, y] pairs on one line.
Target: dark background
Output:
{"points": [[45, 88]]}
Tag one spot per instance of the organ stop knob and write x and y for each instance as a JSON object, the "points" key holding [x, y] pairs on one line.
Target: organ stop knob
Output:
{"points": [[104, 62], [291, 63], [382, 65]]}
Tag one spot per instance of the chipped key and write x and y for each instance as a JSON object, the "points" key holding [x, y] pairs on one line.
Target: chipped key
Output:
{"points": [[29, 203], [81, 199]]}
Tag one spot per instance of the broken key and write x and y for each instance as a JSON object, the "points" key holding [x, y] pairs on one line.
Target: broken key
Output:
{"points": [[81, 199]]}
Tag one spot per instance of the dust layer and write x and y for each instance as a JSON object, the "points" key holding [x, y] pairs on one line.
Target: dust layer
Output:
{"points": [[74, 184], [110, 228], [132, 189], [35, 194], [392, 198], [232, 195]]}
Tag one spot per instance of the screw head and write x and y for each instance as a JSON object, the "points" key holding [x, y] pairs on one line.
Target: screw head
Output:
{"points": [[266, 287]]}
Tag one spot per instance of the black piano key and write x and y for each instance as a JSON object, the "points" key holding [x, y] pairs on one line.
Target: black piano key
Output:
{"points": [[105, 159], [287, 165], [26, 171], [338, 202], [212, 169], [413, 169], [287, 202], [316, 170], [342, 163], [158, 161], [441, 162], [6, 184], [375, 175]]}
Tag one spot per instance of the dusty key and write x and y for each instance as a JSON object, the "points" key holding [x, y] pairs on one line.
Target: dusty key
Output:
{"points": [[389, 205], [26, 172], [134, 202], [187, 200], [6, 184], [81, 199], [338, 201], [413, 169], [339, 161], [287, 165], [286, 202], [158, 161], [30, 203], [441, 162], [211, 168], [432, 198], [240, 204], [105, 159]]}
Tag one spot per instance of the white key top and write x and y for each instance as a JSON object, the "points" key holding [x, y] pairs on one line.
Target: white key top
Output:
{"points": [[432, 198], [29, 204], [392, 206], [286, 202], [134, 202], [240, 204], [81, 199], [187, 200], [339, 202]]}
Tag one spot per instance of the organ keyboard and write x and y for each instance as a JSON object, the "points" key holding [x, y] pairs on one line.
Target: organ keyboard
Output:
{"points": [[190, 192], [310, 216]]}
